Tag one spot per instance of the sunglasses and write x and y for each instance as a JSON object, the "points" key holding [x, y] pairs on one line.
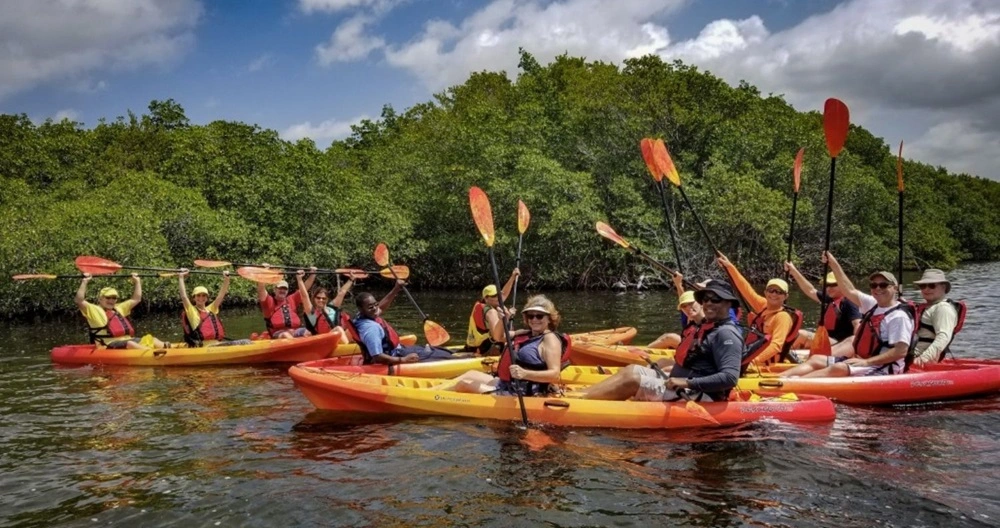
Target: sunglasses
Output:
{"points": [[714, 299], [112, 297], [927, 286], [774, 291], [878, 285], [535, 315]]}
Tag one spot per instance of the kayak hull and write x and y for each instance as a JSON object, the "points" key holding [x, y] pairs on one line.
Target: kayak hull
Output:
{"points": [[615, 355], [263, 351], [356, 392], [352, 349]]}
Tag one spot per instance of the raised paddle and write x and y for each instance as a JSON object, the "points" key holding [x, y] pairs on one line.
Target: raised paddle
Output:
{"points": [[836, 123], [436, 334], [523, 219], [666, 165], [646, 146], [796, 180], [46, 276], [262, 275], [101, 266], [899, 185], [482, 215], [607, 232], [402, 271]]}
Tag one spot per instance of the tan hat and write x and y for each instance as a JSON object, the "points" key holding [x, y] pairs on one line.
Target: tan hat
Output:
{"points": [[108, 292], [888, 276], [281, 284], [536, 307], [780, 283], [489, 291], [831, 279], [685, 298], [198, 290], [933, 276]]}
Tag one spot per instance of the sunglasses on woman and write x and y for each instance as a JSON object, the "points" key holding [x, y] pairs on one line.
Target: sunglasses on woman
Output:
{"points": [[534, 315], [879, 285]]}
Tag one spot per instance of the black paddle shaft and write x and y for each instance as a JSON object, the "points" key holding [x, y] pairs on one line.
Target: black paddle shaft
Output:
{"points": [[670, 226], [509, 349], [899, 261], [826, 241]]}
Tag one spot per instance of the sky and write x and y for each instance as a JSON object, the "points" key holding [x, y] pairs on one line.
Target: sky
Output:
{"points": [[926, 72]]}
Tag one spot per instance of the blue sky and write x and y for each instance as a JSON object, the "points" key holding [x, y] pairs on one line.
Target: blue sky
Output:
{"points": [[916, 70]]}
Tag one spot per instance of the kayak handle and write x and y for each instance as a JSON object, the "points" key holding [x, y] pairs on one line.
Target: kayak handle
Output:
{"points": [[556, 403], [770, 384], [159, 353]]}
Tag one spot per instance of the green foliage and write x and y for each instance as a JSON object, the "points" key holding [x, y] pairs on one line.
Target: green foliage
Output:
{"points": [[155, 190]]}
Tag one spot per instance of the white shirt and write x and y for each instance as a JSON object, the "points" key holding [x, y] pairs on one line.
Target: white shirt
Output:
{"points": [[897, 327]]}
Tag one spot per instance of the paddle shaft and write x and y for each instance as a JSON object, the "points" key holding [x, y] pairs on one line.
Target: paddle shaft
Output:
{"points": [[791, 232], [670, 226], [517, 264], [826, 240], [899, 260], [659, 265], [697, 219], [509, 349], [423, 316]]}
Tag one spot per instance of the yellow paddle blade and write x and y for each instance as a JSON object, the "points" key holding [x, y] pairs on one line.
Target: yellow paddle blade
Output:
{"points": [[482, 214], [646, 145], [696, 409], [607, 232], [523, 217], [401, 272], [264, 275], [663, 162], [821, 342], [382, 254], [899, 168], [202, 263], [29, 276], [436, 334], [797, 169]]}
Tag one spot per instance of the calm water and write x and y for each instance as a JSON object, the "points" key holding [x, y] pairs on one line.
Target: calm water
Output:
{"points": [[240, 446]]}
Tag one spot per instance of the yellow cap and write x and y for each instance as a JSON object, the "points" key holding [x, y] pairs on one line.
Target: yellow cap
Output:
{"points": [[489, 291], [781, 284], [831, 279], [685, 298], [108, 292], [198, 290]]}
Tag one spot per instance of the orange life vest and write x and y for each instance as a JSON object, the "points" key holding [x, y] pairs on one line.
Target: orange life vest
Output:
{"points": [[118, 326], [209, 329]]}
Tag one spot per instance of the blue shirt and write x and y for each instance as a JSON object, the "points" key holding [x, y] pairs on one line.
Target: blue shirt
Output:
{"points": [[372, 335]]}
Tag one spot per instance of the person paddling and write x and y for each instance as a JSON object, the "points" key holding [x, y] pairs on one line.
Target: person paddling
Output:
{"points": [[484, 316], [939, 317], [280, 309], [688, 309], [107, 321], [379, 341], [323, 318], [841, 319], [200, 320]]}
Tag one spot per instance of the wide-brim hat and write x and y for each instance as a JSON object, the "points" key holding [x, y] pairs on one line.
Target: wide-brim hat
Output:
{"points": [[718, 287], [933, 276], [685, 298]]}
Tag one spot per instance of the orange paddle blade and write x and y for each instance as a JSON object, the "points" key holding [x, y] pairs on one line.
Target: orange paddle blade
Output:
{"points": [[401, 272], [29, 276], [436, 334], [264, 275], [352, 273], [797, 169], [96, 265], [899, 168], [820, 345], [696, 409], [537, 440], [382, 254], [202, 263], [523, 217], [482, 214], [646, 145], [836, 122], [607, 232], [663, 161]]}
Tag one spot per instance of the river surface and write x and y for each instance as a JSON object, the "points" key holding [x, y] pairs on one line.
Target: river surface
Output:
{"points": [[240, 446]]}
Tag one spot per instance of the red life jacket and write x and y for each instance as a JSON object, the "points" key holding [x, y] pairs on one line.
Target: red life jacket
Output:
{"points": [[503, 367], [831, 314], [389, 341], [209, 329], [118, 326], [868, 341], [283, 317], [793, 333], [324, 324], [960, 309]]}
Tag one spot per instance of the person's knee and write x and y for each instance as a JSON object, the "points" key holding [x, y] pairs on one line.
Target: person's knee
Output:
{"points": [[817, 361]]}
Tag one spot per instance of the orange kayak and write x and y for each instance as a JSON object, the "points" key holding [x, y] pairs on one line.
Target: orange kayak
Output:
{"points": [[616, 355], [263, 351], [352, 349], [344, 391]]}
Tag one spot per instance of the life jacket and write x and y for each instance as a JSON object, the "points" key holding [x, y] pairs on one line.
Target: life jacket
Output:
{"points": [[960, 309], [324, 323], [118, 326], [209, 329], [283, 317], [757, 324], [832, 314], [868, 341], [390, 340], [478, 332], [692, 338], [503, 367]]}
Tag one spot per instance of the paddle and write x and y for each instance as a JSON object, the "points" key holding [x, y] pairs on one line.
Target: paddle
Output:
{"points": [[101, 266], [796, 180], [403, 272], [523, 219], [607, 232], [436, 334], [836, 122], [482, 215], [666, 165], [646, 145], [46, 276], [263, 275], [899, 184]]}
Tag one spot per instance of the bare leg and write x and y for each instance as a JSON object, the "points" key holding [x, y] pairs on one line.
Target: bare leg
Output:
{"points": [[812, 364], [805, 337], [622, 385], [837, 370], [668, 340], [844, 348], [472, 381]]}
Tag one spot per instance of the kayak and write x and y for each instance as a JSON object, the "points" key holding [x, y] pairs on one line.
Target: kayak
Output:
{"points": [[622, 335], [263, 351], [356, 392], [352, 349], [615, 355]]}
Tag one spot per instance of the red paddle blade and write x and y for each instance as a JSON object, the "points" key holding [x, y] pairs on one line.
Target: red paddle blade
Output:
{"points": [[820, 345], [663, 161], [264, 275], [29, 276], [436, 334], [836, 122], [605, 231], [899, 168], [382, 254], [696, 409], [402, 272], [482, 214], [202, 263], [523, 217], [96, 265], [646, 145], [797, 169]]}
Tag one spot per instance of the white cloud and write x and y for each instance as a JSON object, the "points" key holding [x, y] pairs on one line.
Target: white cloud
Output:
{"points": [[67, 113], [328, 130], [332, 6], [42, 41], [349, 42], [264, 61]]}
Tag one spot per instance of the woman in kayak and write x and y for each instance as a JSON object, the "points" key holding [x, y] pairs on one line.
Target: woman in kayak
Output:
{"points": [[323, 318], [485, 314], [200, 320], [108, 320], [770, 314], [538, 351]]}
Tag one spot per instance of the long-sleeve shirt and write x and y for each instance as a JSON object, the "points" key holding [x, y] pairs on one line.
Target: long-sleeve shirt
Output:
{"points": [[942, 317], [716, 371], [776, 322]]}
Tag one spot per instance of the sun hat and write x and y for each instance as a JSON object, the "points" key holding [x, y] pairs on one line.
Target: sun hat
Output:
{"points": [[108, 292], [933, 276], [888, 276], [536, 306], [780, 283], [718, 287], [831, 279], [685, 298], [489, 291], [198, 290], [281, 284]]}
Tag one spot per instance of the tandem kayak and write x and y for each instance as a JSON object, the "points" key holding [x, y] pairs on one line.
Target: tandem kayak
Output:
{"points": [[263, 351], [352, 349], [344, 391], [616, 355]]}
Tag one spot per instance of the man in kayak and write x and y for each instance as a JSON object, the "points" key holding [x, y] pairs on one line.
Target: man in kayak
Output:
{"points": [[771, 316], [708, 360], [688, 308], [280, 310], [484, 316], [379, 341], [939, 318], [883, 337], [841, 318], [108, 321]]}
